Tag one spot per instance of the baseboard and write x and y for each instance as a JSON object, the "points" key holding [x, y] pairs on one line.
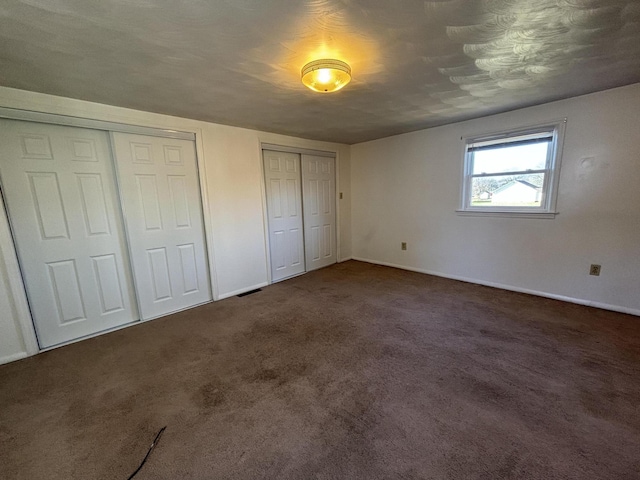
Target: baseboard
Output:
{"points": [[242, 290], [13, 358], [579, 301], [346, 259]]}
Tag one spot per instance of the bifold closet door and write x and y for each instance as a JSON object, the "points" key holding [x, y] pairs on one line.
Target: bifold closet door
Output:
{"points": [[319, 200], [284, 211], [60, 192], [160, 194]]}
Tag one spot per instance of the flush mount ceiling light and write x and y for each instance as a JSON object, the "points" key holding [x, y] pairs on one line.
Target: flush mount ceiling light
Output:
{"points": [[326, 75]]}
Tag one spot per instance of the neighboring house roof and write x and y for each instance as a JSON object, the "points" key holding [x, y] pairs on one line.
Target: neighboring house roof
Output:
{"points": [[513, 182]]}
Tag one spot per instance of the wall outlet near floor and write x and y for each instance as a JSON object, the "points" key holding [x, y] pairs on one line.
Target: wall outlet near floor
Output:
{"points": [[594, 270], [404, 245], [340, 195]]}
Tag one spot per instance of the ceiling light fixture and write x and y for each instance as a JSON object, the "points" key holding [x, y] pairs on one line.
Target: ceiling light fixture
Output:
{"points": [[326, 75]]}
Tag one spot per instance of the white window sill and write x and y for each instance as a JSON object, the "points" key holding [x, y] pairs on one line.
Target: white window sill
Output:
{"points": [[505, 213]]}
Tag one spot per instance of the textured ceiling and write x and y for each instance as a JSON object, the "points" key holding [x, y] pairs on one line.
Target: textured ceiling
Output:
{"points": [[416, 64]]}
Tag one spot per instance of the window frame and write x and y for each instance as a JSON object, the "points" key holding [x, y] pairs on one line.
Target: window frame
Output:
{"points": [[549, 191]]}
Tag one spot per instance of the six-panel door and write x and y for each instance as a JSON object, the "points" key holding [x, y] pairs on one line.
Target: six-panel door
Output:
{"points": [[319, 198], [160, 195], [60, 193], [284, 210]]}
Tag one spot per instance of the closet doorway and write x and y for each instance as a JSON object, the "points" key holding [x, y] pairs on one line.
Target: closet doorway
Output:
{"points": [[85, 269], [301, 212]]}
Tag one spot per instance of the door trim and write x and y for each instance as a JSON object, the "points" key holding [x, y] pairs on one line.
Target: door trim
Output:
{"points": [[300, 151], [55, 119]]}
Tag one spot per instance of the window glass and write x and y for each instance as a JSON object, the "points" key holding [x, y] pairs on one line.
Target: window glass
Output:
{"points": [[507, 190], [500, 159]]}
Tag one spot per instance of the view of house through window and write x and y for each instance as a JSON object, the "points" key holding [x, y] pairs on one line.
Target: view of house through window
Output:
{"points": [[501, 181], [510, 173]]}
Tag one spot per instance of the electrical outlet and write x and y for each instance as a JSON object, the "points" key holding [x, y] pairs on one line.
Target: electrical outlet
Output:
{"points": [[594, 270], [340, 195], [404, 245]]}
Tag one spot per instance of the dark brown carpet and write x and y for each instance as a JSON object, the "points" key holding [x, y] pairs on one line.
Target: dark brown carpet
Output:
{"points": [[355, 371]]}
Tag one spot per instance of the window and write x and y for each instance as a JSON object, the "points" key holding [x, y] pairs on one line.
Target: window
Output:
{"points": [[513, 173]]}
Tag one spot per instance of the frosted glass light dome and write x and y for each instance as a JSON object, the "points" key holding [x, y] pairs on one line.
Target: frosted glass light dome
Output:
{"points": [[326, 75]]}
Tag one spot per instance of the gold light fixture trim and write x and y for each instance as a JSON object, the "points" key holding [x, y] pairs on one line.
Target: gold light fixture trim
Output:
{"points": [[326, 75]]}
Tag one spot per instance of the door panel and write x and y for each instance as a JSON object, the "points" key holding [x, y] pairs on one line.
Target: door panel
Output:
{"points": [[59, 188], [284, 210], [319, 193], [94, 204], [109, 288], [163, 210]]}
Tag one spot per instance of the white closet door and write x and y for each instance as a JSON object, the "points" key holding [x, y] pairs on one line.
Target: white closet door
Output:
{"points": [[319, 200], [284, 209], [160, 194], [59, 187]]}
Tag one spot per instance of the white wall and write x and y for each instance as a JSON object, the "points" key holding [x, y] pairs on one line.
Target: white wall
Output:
{"points": [[13, 344], [406, 188], [233, 191]]}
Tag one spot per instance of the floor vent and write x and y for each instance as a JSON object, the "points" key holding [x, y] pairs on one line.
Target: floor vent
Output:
{"points": [[250, 292]]}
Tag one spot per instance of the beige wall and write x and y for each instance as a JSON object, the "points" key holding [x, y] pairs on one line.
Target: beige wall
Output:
{"points": [[406, 188], [233, 191]]}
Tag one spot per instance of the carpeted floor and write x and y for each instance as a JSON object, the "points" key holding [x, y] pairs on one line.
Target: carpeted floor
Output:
{"points": [[352, 372]]}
